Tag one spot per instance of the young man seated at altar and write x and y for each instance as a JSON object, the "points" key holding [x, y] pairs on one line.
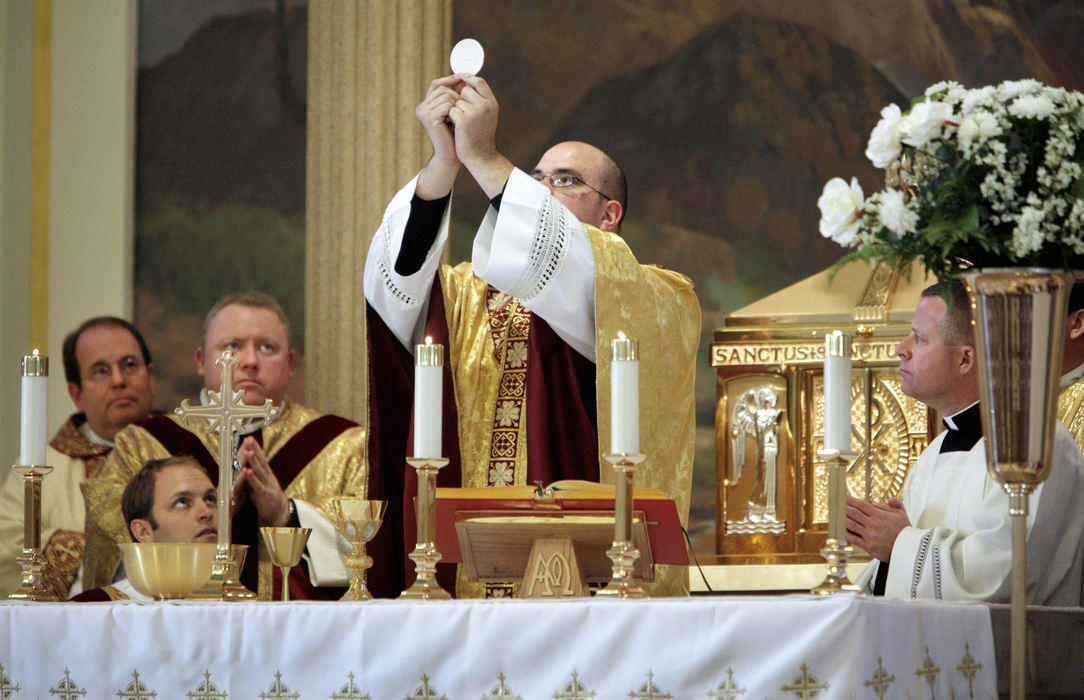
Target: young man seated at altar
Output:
{"points": [[527, 323], [168, 500], [949, 536], [289, 467]]}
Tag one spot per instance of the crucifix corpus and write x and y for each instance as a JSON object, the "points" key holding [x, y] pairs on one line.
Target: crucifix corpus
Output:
{"points": [[226, 413]]}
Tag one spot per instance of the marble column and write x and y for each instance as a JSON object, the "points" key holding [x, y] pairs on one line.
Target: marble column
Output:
{"points": [[369, 64]]}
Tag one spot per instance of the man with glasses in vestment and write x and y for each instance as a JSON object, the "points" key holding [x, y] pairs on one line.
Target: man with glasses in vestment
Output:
{"points": [[528, 321], [111, 382]]}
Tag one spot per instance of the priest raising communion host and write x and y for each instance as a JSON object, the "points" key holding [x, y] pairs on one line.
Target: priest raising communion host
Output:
{"points": [[168, 500], [290, 467], [527, 322], [111, 382], [951, 537]]}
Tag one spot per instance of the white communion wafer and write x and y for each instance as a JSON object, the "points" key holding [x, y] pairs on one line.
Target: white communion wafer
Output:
{"points": [[467, 57]]}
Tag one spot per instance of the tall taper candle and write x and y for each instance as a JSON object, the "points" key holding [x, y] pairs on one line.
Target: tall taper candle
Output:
{"points": [[625, 396], [34, 386], [428, 398], [837, 391]]}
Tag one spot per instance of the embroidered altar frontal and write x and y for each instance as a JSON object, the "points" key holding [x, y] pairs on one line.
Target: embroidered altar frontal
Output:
{"points": [[771, 486], [721, 647]]}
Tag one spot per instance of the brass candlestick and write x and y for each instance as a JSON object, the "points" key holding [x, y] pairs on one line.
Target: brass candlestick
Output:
{"points": [[425, 555], [31, 559], [623, 553], [358, 519], [836, 550]]}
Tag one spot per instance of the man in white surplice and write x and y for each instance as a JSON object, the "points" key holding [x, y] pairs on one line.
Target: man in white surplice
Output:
{"points": [[950, 537], [548, 285]]}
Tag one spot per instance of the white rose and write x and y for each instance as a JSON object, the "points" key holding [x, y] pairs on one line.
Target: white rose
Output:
{"points": [[895, 215], [979, 97], [952, 91], [884, 141], [1010, 89], [978, 126], [841, 210], [1032, 107], [924, 123]]}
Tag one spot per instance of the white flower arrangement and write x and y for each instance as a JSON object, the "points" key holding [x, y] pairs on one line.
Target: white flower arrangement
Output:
{"points": [[974, 178]]}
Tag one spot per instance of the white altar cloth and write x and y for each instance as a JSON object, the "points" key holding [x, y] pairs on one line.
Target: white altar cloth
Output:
{"points": [[795, 646]]}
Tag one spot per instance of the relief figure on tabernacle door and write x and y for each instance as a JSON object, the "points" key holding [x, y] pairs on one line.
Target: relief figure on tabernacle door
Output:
{"points": [[756, 416]]}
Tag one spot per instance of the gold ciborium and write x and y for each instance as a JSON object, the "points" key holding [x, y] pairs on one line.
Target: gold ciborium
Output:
{"points": [[285, 545], [358, 519], [167, 570]]}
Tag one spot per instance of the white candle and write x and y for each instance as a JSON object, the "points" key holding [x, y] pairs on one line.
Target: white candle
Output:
{"points": [[428, 398], [837, 392], [32, 434], [625, 396]]}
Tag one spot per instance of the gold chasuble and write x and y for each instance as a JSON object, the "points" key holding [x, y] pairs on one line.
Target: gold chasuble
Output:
{"points": [[1071, 410], [488, 341], [327, 459]]}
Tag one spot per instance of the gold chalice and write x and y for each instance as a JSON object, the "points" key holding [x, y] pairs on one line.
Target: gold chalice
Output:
{"points": [[285, 545], [358, 519], [167, 570]]}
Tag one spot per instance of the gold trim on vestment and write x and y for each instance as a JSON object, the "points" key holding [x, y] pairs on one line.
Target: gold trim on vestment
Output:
{"points": [[658, 308]]}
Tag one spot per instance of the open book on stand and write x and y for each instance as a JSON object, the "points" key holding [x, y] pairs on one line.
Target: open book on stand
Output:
{"points": [[492, 530]]}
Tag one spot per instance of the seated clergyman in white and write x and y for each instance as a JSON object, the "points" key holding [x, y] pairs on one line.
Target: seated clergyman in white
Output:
{"points": [[950, 535]]}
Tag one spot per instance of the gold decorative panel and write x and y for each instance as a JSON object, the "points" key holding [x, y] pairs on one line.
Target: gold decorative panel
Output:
{"points": [[771, 489]]}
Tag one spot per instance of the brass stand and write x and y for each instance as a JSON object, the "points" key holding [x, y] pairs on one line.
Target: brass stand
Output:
{"points": [[32, 587], [836, 550], [425, 555], [1018, 616], [623, 553]]}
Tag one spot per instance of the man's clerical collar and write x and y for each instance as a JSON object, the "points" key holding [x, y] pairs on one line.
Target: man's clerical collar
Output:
{"points": [[93, 437], [964, 429], [1072, 376]]}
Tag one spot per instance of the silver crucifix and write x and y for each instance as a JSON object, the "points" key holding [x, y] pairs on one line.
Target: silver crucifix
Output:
{"points": [[226, 414]]}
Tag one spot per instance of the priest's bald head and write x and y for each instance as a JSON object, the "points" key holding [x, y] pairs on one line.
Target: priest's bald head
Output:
{"points": [[587, 181]]}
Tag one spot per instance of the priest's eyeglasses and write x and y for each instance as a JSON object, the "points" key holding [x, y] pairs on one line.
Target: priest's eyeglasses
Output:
{"points": [[130, 366], [562, 180]]}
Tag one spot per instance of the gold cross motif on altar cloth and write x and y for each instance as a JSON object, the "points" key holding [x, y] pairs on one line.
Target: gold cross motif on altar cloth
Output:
{"points": [[969, 668], [928, 670], [501, 691], [880, 681], [136, 690], [728, 689], [650, 691], [574, 690], [226, 414], [279, 690], [6, 688], [350, 691], [424, 692], [67, 689], [805, 686], [206, 690]]}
